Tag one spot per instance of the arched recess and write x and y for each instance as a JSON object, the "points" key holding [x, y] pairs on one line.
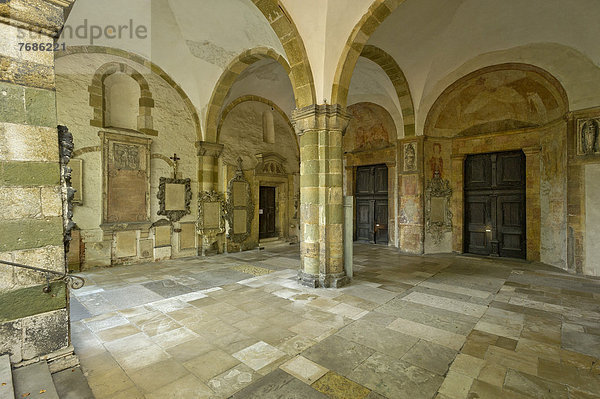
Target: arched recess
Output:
{"points": [[98, 101], [502, 108], [228, 78], [391, 68], [142, 61], [285, 29], [375, 15], [259, 99]]}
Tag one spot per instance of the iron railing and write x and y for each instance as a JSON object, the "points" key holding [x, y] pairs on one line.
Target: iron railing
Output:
{"points": [[71, 280]]}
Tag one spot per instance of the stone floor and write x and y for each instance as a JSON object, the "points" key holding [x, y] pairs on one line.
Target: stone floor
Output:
{"points": [[240, 326]]}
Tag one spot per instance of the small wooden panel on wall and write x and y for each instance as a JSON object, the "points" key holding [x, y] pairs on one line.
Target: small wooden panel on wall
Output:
{"points": [[126, 180]]}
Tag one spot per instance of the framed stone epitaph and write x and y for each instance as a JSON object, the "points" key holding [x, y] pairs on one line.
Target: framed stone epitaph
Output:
{"points": [[126, 178], [211, 217], [438, 216], [174, 198], [239, 206]]}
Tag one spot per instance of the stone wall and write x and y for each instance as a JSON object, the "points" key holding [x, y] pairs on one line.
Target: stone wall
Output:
{"points": [[172, 121]]}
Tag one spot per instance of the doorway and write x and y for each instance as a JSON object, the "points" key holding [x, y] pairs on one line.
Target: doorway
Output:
{"points": [[495, 204], [267, 212], [372, 204]]}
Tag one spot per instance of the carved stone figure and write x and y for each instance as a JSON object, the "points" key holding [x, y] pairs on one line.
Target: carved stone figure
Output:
{"points": [[589, 137], [65, 141]]}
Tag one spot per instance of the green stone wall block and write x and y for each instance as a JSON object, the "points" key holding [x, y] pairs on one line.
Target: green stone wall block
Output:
{"points": [[40, 107], [30, 233], [12, 105], [29, 174], [30, 301]]}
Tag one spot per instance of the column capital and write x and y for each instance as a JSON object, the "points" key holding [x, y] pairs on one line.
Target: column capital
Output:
{"points": [[209, 149], [43, 16], [320, 117]]}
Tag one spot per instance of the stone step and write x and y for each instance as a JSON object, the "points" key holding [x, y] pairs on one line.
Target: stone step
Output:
{"points": [[6, 382], [72, 384], [34, 381]]}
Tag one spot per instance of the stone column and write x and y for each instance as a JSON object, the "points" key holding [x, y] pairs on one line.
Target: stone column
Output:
{"points": [[32, 323], [320, 129], [457, 202], [208, 164]]}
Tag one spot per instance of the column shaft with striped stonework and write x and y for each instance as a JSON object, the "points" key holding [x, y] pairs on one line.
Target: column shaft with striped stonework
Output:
{"points": [[32, 323], [320, 128], [208, 171]]}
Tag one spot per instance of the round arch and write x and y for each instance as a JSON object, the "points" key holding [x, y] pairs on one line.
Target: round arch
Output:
{"points": [[228, 78], [375, 15], [141, 61], [285, 29], [393, 71], [259, 99]]}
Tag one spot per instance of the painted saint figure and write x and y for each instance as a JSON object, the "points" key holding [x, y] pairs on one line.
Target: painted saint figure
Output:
{"points": [[589, 137]]}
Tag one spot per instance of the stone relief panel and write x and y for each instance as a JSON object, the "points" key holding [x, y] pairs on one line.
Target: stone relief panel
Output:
{"points": [[588, 142], [126, 162], [270, 164]]}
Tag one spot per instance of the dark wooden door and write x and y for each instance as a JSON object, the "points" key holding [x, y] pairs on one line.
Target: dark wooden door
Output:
{"points": [[267, 212], [372, 204], [495, 204]]}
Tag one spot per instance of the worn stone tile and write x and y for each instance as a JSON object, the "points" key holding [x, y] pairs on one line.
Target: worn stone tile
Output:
{"points": [[210, 364], [430, 356], [167, 288], [185, 387], [311, 329], [174, 337], [337, 387], [467, 365], [456, 385], [114, 333], [481, 389], [190, 349], [157, 375], [140, 358], [304, 369], [278, 385], [396, 379], [258, 355], [428, 333], [232, 380], [525, 363], [338, 354], [379, 338], [533, 386], [296, 344], [452, 305], [131, 296], [493, 374]]}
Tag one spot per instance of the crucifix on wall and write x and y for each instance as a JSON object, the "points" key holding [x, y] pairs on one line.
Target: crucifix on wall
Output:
{"points": [[175, 160]]}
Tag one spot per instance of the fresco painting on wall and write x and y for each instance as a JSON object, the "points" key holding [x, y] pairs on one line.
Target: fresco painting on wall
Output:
{"points": [[436, 162], [410, 157], [371, 126]]}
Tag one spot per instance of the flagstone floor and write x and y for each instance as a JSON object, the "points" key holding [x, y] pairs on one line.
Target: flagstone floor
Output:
{"points": [[239, 325]]}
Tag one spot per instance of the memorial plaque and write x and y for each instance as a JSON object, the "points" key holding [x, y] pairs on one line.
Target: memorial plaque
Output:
{"points": [[175, 197], [239, 221], [212, 215], [438, 209], [146, 248], [126, 244], [239, 194], [162, 236], [187, 236]]}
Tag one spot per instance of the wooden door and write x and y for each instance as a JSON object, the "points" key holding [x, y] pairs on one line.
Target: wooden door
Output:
{"points": [[267, 212], [372, 204], [495, 204]]}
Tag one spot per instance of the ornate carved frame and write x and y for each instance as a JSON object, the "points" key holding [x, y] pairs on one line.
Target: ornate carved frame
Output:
{"points": [[248, 207], [438, 188], [173, 215], [209, 235]]}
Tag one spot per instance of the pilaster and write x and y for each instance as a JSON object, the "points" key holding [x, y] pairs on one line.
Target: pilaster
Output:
{"points": [[208, 158]]}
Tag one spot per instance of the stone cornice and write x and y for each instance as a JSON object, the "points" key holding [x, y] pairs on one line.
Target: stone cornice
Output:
{"points": [[43, 16], [320, 117], [208, 149]]}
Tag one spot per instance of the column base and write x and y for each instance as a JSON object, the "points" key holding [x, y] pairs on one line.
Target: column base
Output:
{"points": [[337, 280]]}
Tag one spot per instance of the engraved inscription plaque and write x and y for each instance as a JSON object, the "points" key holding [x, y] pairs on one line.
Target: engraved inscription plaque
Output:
{"points": [[175, 197], [239, 221], [438, 210], [212, 215], [239, 194], [187, 237]]}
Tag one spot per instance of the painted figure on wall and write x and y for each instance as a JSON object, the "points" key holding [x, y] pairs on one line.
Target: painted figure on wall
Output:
{"points": [[589, 137], [370, 129], [410, 157], [436, 163]]}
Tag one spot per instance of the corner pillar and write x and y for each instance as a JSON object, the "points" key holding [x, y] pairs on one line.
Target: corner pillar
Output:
{"points": [[533, 215], [320, 129]]}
